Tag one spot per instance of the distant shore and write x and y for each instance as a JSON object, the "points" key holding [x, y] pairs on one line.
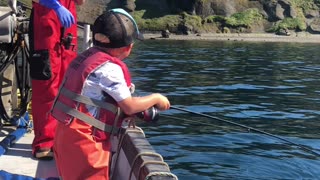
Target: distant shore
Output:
{"points": [[253, 37], [301, 37]]}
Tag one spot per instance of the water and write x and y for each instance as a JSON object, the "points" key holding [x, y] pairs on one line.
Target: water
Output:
{"points": [[273, 87]]}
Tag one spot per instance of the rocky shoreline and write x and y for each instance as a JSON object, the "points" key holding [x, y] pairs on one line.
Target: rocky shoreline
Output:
{"points": [[301, 37], [250, 37]]}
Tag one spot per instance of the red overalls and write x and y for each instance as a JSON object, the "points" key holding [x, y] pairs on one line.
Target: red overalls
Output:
{"points": [[45, 48], [81, 150]]}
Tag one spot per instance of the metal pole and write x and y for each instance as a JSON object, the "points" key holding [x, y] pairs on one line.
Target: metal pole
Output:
{"points": [[86, 37]]}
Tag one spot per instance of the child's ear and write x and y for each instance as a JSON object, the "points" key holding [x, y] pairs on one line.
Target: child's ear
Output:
{"points": [[101, 38], [129, 47]]}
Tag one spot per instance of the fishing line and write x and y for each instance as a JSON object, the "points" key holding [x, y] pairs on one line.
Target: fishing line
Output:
{"points": [[193, 122], [248, 128]]}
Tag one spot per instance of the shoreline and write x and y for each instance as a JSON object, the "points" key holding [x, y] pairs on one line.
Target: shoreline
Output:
{"points": [[300, 37], [248, 37]]}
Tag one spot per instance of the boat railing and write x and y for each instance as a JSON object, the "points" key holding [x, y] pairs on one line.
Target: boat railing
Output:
{"points": [[134, 158], [85, 35]]}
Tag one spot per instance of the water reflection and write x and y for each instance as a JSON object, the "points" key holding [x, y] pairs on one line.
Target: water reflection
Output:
{"points": [[269, 86]]}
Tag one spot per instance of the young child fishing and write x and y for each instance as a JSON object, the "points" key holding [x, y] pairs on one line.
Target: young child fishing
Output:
{"points": [[95, 97]]}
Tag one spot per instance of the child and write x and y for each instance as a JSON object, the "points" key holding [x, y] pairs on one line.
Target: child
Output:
{"points": [[93, 98]]}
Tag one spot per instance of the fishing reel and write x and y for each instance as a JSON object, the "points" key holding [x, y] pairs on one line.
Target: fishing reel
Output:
{"points": [[149, 115], [67, 42]]}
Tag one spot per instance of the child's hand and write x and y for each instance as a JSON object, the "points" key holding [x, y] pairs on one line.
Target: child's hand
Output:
{"points": [[163, 103]]}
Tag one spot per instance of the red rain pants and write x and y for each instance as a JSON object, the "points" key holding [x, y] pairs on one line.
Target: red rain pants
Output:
{"points": [[78, 155], [46, 36]]}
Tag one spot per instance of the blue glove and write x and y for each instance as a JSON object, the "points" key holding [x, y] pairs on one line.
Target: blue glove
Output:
{"points": [[64, 15]]}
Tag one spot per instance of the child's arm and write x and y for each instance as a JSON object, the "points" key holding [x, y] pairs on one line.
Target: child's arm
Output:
{"points": [[132, 105]]}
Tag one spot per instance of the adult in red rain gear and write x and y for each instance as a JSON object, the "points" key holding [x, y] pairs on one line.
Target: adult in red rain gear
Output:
{"points": [[95, 97], [52, 24]]}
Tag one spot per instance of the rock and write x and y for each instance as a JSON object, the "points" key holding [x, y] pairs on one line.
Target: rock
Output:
{"points": [[289, 10], [279, 12], [272, 10], [203, 9], [311, 13], [181, 5], [90, 10], [223, 7], [128, 5], [165, 33], [284, 32], [315, 25]]}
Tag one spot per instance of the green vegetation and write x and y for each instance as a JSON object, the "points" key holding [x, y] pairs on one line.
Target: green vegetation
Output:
{"points": [[196, 23], [297, 23], [170, 22], [290, 23], [214, 19], [156, 24], [242, 19], [192, 21], [245, 18], [239, 21], [305, 4]]}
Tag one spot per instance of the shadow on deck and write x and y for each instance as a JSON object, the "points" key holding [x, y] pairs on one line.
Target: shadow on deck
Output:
{"points": [[18, 159]]}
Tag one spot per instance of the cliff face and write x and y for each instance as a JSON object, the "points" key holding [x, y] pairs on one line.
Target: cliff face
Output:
{"points": [[91, 9], [214, 16], [221, 16]]}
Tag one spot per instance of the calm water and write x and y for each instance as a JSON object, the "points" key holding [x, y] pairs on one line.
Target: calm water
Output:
{"points": [[273, 87]]}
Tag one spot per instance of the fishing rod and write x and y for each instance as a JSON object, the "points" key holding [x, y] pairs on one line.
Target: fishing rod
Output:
{"points": [[249, 129]]}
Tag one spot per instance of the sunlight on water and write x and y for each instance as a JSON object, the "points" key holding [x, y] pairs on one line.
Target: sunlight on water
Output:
{"points": [[273, 87], [269, 86]]}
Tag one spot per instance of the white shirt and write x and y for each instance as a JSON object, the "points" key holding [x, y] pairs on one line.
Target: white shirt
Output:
{"points": [[108, 78]]}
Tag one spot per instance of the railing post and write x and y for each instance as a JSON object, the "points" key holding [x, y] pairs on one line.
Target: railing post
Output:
{"points": [[86, 37]]}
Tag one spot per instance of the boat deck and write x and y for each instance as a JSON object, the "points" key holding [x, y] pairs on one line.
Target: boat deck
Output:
{"points": [[18, 158], [17, 162]]}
